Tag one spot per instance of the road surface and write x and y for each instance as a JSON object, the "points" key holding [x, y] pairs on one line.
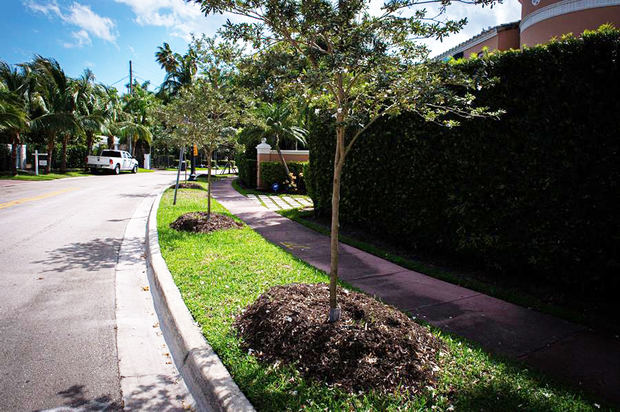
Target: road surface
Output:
{"points": [[59, 247]]}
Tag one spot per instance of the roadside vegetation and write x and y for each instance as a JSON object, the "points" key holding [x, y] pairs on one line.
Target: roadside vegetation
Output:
{"points": [[220, 273], [48, 176]]}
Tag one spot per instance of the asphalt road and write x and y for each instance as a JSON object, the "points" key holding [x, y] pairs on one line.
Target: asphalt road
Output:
{"points": [[59, 245]]}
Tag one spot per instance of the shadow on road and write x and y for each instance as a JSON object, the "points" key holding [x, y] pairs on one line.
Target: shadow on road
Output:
{"points": [[76, 399], [90, 256]]}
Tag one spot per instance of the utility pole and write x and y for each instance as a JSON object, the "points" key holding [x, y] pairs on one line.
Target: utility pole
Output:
{"points": [[130, 78], [130, 92]]}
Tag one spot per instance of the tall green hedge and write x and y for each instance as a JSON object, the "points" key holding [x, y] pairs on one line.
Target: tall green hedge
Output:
{"points": [[534, 193], [247, 170]]}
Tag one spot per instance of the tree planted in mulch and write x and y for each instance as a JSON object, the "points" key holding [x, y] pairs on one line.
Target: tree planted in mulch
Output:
{"points": [[186, 185], [373, 347], [202, 222]]}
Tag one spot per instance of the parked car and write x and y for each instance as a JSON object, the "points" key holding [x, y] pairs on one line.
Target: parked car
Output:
{"points": [[115, 161]]}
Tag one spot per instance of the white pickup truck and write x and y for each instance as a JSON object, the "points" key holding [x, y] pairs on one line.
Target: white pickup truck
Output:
{"points": [[115, 161]]}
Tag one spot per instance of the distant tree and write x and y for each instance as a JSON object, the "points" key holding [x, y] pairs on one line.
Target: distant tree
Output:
{"points": [[180, 69], [276, 122], [113, 113], [360, 67], [15, 84], [58, 99], [204, 114], [91, 108], [138, 109]]}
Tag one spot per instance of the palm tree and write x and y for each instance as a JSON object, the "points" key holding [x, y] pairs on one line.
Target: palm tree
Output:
{"points": [[133, 132], [113, 113], [13, 113], [13, 120], [58, 100], [276, 122], [91, 107], [167, 58], [180, 70], [138, 107]]}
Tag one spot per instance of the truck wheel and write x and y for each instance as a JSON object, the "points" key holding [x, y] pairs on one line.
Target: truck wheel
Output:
{"points": [[117, 169], [135, 169]]}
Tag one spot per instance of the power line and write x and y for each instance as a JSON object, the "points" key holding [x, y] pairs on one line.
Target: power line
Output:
{"points": [[118, 81]]}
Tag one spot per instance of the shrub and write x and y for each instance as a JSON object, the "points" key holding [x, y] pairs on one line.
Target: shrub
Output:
{"points": [[76, 155], [535, 193], [247, 170], [274, 172], [5, 157]]}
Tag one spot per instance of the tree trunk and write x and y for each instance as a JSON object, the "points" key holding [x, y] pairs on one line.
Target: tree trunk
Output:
{"points": [[89, 147], [14, 145], [63, 161], [334, 310], [288, 173], [50, 151], [209, 185], [110, 142]]}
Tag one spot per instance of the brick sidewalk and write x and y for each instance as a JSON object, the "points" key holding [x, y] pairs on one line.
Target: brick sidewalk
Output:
{"points": [[564, 350]]}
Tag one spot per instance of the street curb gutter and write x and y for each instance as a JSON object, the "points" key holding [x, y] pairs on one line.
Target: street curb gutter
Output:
{"points": [[203, 372]]}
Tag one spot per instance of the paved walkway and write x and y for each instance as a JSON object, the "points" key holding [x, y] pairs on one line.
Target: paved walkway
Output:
{"points": [[562, 349], [274, 202]]}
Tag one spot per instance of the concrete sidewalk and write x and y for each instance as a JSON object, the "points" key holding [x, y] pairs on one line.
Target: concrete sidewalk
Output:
{"points": [[564, 350]]}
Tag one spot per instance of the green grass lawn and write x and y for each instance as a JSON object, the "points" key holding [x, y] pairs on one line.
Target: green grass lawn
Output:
{"points": [[49, 176], [141, 170], [220, 273]]}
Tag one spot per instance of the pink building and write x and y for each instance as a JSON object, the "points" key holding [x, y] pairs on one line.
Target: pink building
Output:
{"points": [[541, 20]]}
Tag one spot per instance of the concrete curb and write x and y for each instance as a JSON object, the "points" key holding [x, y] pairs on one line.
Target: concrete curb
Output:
{"points": [[203, 372]]}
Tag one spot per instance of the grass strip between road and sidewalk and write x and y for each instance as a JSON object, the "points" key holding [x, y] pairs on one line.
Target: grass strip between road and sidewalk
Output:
{"points": [[220, 273], [54, 176], [41, 177]]}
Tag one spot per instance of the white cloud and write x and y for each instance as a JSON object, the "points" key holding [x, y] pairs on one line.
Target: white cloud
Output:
{"points": [[478, 19], [81, 16], [181, 19], [81, 38], [48, 8]]}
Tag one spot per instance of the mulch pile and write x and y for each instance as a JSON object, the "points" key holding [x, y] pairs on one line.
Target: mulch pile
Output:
{"points": [[373, 346], [197, 222], [186, 185]]}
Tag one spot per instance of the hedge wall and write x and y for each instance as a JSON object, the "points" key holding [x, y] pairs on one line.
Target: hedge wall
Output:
{"points": [[76, 156], [247, 170], [535, 193], [274, 172]]}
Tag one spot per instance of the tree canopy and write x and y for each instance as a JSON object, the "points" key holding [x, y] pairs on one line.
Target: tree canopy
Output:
{"points": [[359, 66]]}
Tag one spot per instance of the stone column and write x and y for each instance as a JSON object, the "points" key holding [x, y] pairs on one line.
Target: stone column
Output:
{"points": [[262, 155]]}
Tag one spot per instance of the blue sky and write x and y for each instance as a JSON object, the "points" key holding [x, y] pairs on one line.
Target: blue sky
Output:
{"points": [[104, 35]]}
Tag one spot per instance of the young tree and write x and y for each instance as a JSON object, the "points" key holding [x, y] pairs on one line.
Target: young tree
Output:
{"points": [[360, 66], [204, 114]]}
